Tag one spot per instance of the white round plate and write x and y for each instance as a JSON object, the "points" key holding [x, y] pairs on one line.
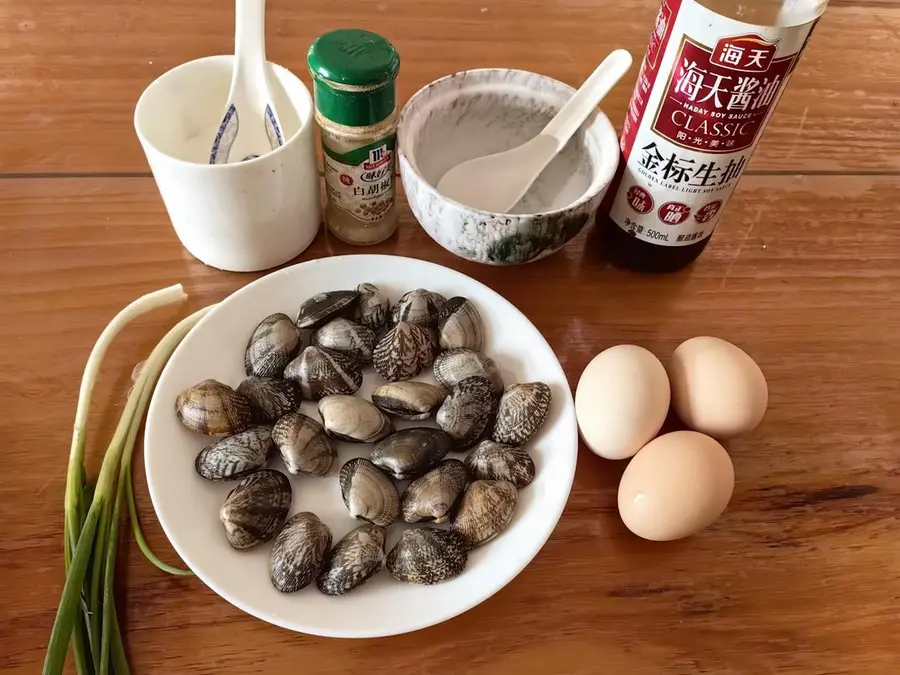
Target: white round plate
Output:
{"points": [[188, 506]]}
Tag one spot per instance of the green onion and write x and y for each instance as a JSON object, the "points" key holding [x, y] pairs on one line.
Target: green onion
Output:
{"points": [[86, 614], [139, 535]]}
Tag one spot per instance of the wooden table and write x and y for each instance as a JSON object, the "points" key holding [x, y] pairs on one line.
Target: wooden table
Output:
{"points": [[802, 573]]}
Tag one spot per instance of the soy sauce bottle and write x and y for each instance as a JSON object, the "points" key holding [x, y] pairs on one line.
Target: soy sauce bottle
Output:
{"points": [[712, 75]]}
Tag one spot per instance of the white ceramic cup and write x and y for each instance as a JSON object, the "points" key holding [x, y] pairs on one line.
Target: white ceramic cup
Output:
{"points": [[239, 217]]}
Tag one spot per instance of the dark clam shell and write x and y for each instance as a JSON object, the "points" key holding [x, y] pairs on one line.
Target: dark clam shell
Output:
{"points": [[256, 508], [484, 511], [433, 496], [321, 372], [368, 493], [303, 445], [272, 346], [345, 336], [409, 399], [459, 325], [497, 461], [404, 352], [468, 411], [213, 408], [235, 457], [373, 307], [427, 555], [323, 307], [455, 365], [354, 560], [420, 307], [409, 453], [269, 398], [299, 551], [522, 410], [353, 419]]}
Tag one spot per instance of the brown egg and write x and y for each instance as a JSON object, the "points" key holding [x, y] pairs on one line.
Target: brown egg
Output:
{"points": [[675, 486], [621, 401], [717, 388]]}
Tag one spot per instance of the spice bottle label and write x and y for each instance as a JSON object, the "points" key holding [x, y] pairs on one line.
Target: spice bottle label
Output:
{"points": [[705, 91], [361, 181]]}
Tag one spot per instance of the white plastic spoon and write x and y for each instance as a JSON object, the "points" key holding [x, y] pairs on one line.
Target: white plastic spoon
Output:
{"points": [[497, 182], [250, 125]]}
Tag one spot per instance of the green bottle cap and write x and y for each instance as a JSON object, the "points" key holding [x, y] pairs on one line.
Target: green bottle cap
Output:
{"points": [[353, 75]]}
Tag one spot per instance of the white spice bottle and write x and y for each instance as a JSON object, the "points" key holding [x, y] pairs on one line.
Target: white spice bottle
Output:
{"points": [[354, 73]]}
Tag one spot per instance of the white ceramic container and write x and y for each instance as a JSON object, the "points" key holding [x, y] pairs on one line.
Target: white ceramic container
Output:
{"points": [[240, 217]]}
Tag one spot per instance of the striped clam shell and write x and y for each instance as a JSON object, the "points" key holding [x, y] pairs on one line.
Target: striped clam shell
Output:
{"points": [[404, 352], [269, 398], [497, 461], [459, 325], [213, 408], [235, 457], [427, 555], [454, 365], [272, 345], [467, 412], [521, 412], [353, 560], [485, 510], [321, 373], [299, 551], [256, 508]]}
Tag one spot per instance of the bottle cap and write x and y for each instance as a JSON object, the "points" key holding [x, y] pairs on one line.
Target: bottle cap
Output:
{"points": [[354, 73]]}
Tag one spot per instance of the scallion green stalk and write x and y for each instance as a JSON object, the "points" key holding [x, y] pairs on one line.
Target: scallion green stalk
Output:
{"points": [[91, 535]]}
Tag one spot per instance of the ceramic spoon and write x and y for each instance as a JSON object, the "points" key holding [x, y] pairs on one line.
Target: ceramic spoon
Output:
{"points": [[250, 126], [497, 182]]}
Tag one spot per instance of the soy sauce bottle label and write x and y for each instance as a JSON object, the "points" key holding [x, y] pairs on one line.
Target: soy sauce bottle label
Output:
{"points": [[706, 89]]}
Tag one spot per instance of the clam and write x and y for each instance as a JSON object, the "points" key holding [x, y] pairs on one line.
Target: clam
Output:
{"points": [[353, 561], [409, 453], [321, 372], [269, 398], [522, 410], [419, 307], [455, 365], [303, 445], [427, 555], [404, 352], [256, 508], [373, 307], [323, 307], [272, 345], [467, 411], [298, 552], [235, 456], [433, 496], [497, 461], [353, 419], [213, 408], [459, 325], [345, 336], [368, 493], [484, 511], [409, 399]]}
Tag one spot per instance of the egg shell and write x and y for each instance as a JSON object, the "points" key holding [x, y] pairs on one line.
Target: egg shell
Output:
{"points": [[621, 401], [717, 388], [677, 485]]}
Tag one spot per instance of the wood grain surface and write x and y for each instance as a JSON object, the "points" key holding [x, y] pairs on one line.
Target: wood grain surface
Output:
{"points": [[802, 573], [73, 69]]}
